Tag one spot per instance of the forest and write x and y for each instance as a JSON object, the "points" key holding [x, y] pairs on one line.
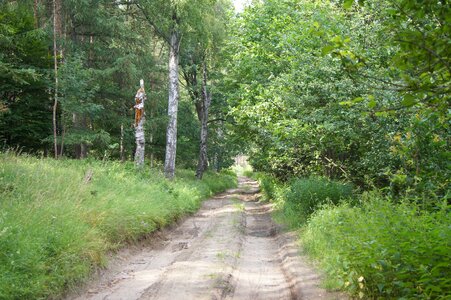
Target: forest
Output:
{"points": [[342, 108]]}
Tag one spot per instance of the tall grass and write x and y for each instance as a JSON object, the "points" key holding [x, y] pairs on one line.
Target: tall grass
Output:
{"points": [[381, 250], [55, 228], [366, 244], [303, 196], [271, 188]]}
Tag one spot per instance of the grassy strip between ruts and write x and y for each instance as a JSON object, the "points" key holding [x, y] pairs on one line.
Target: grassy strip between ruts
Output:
{"points": [[55, 228], [368, 245]]}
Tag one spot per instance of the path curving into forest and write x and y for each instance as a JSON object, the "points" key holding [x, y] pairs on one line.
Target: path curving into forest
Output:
{"points": [[230, 249]]}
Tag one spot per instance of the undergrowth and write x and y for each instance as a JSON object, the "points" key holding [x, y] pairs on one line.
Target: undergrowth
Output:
{"points": [[306, 195], [367, 245], [55, 228], [381, 250], [270, 187]]}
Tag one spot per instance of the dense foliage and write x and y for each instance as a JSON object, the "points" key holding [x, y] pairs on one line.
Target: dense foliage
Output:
{"points": [[330, 99], [352, 92], [358, 92], [24, 63], [56, 227], [103, 49]]}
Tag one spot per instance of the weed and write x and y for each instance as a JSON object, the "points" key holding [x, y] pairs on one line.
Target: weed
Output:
{"points": [[221, 255]]}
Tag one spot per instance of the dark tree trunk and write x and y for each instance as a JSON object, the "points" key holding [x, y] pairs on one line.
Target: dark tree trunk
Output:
{"points": [[56, 34], [81, 149], [171, 133], [202, 163], [36, 13]]}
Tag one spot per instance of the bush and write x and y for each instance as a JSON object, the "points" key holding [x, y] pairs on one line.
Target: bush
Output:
{"points": [[305, 195], [383, 250]]}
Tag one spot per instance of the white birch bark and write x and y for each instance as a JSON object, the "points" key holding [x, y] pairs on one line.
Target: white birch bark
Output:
{"points": [[139, 129], [171, 133]]}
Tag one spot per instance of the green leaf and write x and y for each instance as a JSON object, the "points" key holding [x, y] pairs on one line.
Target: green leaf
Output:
{"points": [[327, 49], [381, 114], [372, 104], [408, 101], [336, 39], [345, 103], [348, 4]]}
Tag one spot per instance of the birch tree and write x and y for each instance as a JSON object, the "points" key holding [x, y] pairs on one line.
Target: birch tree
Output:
{"points": [[171, 20], [140, 98]]}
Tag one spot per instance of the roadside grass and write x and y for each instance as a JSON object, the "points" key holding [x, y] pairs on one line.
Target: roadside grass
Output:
{"points": [[55, 228], [365, 243], [303, 196], [271, 189], [382, 250]]}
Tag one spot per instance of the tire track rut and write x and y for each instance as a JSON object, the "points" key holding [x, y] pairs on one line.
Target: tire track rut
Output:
{"points": [[230, 249]]}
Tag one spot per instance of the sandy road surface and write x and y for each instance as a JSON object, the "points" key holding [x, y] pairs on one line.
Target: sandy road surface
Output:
{"points": [[230, 249]]}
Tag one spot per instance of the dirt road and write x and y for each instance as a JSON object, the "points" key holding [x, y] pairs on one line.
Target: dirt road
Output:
{"points": [[230, 249]]}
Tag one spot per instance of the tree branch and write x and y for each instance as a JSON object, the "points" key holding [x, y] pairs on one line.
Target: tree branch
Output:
{"points": [[159, 32]]}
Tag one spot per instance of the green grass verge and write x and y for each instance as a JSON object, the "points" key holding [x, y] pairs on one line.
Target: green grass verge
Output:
{"points": [[306, 195], [367, 246], [54, 228], [381, 250]]}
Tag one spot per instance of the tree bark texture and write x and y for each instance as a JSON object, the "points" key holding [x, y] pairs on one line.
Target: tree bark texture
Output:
{"points": [[218, 154], [171, 133], [152, 127], [36, 13], [81, 149], [140, 143], [122, 152], [139, 125], [56, 24], [202, 163]]}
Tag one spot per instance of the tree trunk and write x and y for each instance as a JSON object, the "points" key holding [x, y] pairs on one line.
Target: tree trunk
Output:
{"points": [[140, 144], [62, 140], [139, 125], [122, 144], [81, 149], [218, 154], [171, 133], [202, 163], [152, 127], [55, 66], [36, 13]]}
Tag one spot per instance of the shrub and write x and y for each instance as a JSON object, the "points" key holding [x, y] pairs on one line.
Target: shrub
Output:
{"points": [[383, 250], [305, 195]]}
